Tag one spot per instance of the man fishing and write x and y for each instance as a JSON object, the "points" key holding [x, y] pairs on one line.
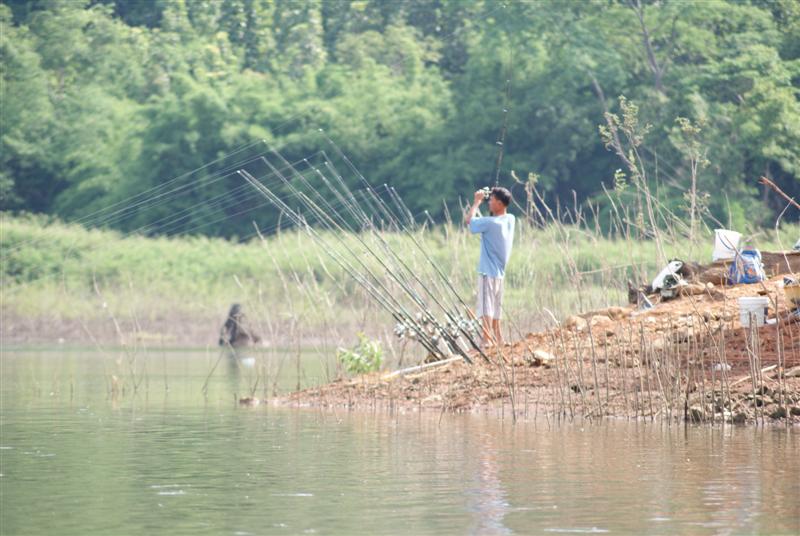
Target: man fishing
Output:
{"points": [[497, 237]]}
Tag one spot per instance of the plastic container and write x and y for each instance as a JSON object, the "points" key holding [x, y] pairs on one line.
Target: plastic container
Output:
{"points": [[755, 308], [726, 243]]}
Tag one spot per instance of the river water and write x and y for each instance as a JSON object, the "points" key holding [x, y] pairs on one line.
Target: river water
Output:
{"points": [[168, 460]]}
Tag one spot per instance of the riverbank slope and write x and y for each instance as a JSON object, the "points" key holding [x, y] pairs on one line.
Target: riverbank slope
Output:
{"points": [[686, 359]]}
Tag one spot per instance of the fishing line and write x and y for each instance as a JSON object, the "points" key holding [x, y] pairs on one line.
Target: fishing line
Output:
{"points": [[151, 226], [141, 229], [210, 203], [27, 284], [120, 214], [168, 182], [95, 217], [179, 191]]}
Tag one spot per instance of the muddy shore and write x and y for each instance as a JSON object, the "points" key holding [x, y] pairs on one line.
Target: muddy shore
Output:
{"points": [[688, 359]]}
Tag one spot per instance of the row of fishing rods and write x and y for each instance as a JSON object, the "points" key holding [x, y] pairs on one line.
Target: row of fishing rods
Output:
{"points": [[350, 227]]}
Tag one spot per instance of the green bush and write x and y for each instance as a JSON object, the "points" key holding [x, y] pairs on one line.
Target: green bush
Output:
{"points": [[366, 356]]}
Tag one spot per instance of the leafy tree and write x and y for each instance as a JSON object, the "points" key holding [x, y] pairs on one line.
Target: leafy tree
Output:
{"points": [[105, 99], [26, 165]]}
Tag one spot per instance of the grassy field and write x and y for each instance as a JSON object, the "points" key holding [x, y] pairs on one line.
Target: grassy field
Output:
{"points": [[67, 282]]}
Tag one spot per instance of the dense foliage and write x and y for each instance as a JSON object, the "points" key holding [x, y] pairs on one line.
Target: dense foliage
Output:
{"points": [[104, 99]]}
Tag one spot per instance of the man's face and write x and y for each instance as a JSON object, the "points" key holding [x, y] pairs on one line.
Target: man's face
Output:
{"points": [[495, 205]]}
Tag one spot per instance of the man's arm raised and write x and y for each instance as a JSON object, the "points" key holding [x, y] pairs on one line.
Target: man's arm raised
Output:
{"points": [[476, 203]]}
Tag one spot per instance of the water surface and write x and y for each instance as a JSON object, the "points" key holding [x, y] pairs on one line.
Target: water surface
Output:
{"points": [[75, 460]]}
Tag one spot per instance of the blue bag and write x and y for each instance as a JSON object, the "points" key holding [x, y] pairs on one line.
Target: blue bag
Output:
{"points": [[746, 268]]}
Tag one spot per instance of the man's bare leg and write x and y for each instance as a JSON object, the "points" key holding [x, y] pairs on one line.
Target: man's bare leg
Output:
{"points": [[498, 335], [487, 331]]}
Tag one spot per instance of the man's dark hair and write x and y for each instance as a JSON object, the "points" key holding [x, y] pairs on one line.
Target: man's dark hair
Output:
{"points": [[502, 195]]}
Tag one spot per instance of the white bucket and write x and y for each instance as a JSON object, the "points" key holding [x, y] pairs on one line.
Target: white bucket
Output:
{"points": [[753, 308], [725, 244]]}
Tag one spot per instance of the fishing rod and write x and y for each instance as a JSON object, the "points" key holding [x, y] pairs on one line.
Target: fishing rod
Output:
{"points": [[501, 139], [435, 281], [460, 322], [401, 207], [397, 311], [446, 331], [370, 193], [399, 276], [460, 319], [302, 223], [455, 321]]}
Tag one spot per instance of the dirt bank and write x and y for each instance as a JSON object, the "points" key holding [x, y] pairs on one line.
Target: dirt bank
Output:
{"points": [[685, 359]]}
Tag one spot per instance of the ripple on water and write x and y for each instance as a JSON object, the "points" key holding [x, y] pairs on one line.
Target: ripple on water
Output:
{"points": [[593, 530], [172, 492], [169, 489]]}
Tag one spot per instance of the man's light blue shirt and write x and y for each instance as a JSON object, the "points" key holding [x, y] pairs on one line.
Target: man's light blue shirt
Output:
{"points": [[497, 237]]}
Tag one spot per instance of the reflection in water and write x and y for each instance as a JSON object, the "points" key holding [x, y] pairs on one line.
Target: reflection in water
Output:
{"points": [[171, 461], [234, 370], [242, 373], [487, 499]]}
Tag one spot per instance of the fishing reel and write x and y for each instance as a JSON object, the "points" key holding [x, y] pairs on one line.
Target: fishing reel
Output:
{"points": [[486, 192]]}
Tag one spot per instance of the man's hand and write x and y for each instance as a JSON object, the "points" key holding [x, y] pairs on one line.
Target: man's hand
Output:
{"points": [[480, 195]]}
